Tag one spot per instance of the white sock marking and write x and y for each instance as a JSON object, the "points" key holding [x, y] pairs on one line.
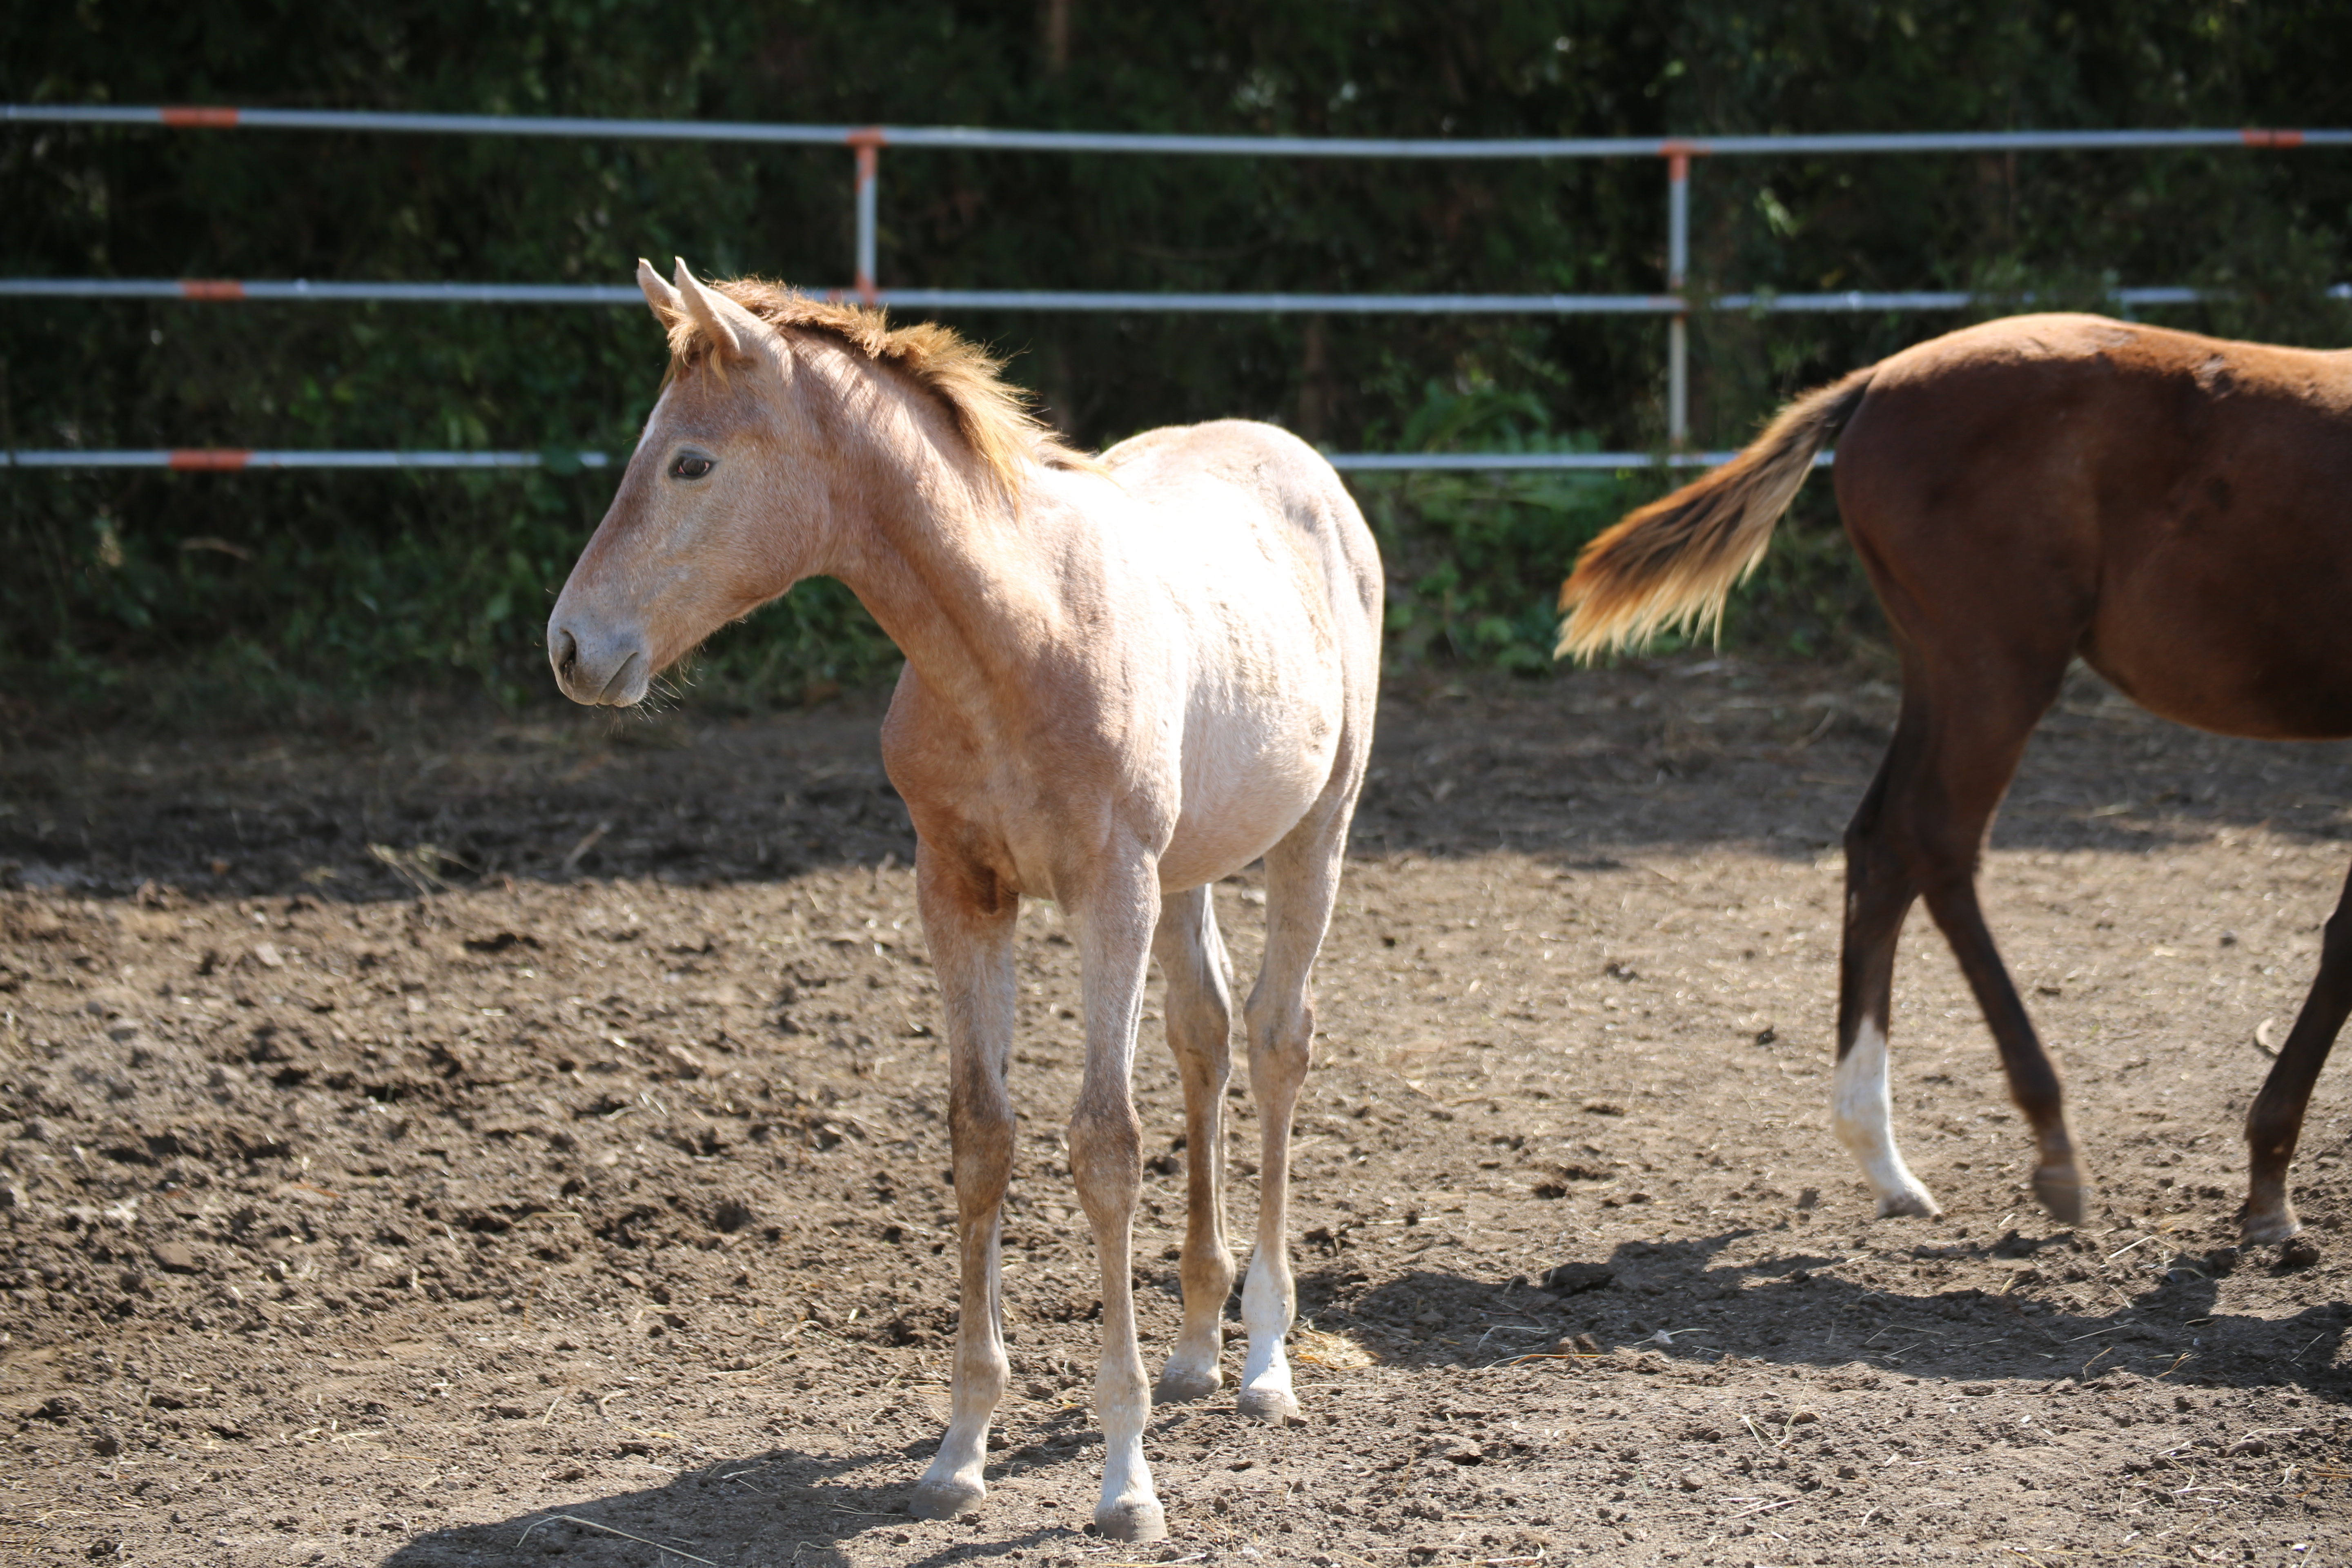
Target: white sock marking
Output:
{"points": [[1126, 1475], [1267, 1313], [1862, 1111]]}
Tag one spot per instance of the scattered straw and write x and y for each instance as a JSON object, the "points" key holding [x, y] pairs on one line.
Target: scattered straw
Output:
{"points": [[613, 1530], [2110, 1329], [1336, 1352], [1766, 1507]]}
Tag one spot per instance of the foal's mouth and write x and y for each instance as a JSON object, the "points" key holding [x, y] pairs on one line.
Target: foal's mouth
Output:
{"points": [[619, 678]]}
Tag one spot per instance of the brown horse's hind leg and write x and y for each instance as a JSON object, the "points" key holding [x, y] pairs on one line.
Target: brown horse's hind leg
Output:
{"points": [[1920, 833], [2058, 1178], [2276, 1122], [1878, 894], [1981, 722]]}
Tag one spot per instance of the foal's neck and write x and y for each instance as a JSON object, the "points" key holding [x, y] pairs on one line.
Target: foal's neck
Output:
{"points": [[937, 553]]}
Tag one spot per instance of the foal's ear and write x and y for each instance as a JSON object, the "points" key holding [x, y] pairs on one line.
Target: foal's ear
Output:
{"points": [[712, 312], [668, 307]]}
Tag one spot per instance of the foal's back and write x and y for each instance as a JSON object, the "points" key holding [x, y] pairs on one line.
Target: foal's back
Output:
{"points": [[1214, 485], [1273, 581]]}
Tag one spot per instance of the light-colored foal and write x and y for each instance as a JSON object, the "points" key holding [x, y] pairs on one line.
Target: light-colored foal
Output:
{"points": [[1126, 678]]}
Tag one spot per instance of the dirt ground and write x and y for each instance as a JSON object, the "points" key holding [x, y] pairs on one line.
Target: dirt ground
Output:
{"points": [[463, 1141]]}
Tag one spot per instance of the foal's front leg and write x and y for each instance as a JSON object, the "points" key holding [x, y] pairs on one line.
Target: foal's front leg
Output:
{"points": [[967, 923], [1115, 922]]}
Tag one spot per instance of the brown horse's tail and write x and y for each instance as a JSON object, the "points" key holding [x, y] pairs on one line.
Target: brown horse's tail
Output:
{"points": [[1672, 564]]}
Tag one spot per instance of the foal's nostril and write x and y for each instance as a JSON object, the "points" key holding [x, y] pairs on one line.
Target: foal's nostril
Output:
{"points": [[567, 654]]}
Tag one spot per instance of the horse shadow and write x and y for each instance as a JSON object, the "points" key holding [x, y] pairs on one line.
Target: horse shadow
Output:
{"points": [[1647, 1307], [780, 1506], [1655, 1305]]}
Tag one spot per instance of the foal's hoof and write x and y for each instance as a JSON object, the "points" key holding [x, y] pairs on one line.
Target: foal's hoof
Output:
{"points": [[1916, 1203], [1275, 1405], [1132, 1521], [944, 1499], [2061, 1190], [1179, 1384]]}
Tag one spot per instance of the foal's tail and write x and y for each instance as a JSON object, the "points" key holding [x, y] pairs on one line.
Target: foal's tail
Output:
{"points": [[1672, 564]]}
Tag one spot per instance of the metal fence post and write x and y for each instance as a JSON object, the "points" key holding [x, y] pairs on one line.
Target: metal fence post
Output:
{"points": [[1677, 266], [869, 146]]}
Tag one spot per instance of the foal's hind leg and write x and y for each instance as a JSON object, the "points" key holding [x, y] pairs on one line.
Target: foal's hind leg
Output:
{"points": [[1200, 1032], [1115, 913], [2275, 1121], [1302, 883]]}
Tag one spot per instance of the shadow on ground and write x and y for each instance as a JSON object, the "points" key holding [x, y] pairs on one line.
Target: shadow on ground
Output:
{"points": [[785, 1506], [1653, 755], [780, 1506], [1752, 1297]]}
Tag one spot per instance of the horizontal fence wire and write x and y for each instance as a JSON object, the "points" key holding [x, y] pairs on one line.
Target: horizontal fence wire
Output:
{"points": [[233, 459], [976, 138], [222, 118], [230, 459], [1481, 462], [1764, 302]]}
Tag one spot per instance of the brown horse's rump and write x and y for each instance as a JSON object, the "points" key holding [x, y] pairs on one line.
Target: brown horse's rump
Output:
{"points": [[2164, 502]]}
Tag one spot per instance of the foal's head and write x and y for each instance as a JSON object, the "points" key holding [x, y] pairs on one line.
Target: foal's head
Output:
{"points": [[776, 430]]}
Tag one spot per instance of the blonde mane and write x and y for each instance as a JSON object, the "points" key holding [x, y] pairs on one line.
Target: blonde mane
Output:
{"points": [[992, 417]]}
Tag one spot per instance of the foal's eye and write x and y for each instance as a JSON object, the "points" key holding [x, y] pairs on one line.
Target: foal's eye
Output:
{"points": [[690, 466]]}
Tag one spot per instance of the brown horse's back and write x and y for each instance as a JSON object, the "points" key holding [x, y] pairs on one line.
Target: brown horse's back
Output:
{"points": [[2176, 509]]}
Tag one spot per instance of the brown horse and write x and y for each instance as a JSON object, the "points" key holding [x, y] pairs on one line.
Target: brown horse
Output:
{"points": [[2165, 506]]}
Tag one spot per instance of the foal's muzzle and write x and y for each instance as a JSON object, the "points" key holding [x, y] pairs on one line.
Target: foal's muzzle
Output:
{"points": [[605, 669]]}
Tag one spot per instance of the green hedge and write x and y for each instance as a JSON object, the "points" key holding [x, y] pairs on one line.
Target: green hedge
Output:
{"points": [[186, 592]]}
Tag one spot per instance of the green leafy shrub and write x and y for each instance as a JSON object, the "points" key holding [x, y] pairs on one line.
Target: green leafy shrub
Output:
{"points": [[117, 590], [1475, 560]]}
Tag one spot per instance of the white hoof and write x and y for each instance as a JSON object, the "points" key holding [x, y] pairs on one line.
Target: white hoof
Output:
{"points": [[944, 1499], [1132, 1521], [1178, 1384], [1267, 1404], [1916, 1202]]}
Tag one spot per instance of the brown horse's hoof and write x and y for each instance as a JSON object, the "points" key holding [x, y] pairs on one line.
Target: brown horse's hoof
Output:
{"points": [[944, 1499], [2061, 1190], [1132, 1521], [2276, 1226]]}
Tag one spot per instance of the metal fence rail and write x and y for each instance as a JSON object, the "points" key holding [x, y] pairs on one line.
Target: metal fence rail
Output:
{"points": [[1049, 300], [866, 143], [980, 138], [232, 460]]}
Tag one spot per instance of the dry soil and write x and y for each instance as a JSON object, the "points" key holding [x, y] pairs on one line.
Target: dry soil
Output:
{"points": [[469, 1139]]}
